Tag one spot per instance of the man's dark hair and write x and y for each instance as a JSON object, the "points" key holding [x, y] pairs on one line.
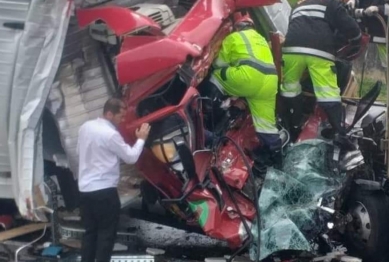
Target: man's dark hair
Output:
{"points": [[113, 105]]}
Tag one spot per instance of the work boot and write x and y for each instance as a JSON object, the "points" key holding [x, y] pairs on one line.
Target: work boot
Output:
{"points": [[294, 133], [262, 160], [291, 115], [259, 170], [277, 159], [334, 112]]}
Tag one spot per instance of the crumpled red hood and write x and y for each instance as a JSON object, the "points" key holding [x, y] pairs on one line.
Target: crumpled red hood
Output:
{"points": [[142, 56]]}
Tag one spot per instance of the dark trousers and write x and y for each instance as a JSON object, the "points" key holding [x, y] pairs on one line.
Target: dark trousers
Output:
{"points": [[271, 142], [100, 212]]}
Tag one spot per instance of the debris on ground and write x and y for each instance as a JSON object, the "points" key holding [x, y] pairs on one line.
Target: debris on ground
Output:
{"points": [[23, 230], [154, 251]]}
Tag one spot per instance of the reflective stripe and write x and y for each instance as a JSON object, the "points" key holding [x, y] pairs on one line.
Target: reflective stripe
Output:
{"points": [[357, 37], [265, 68], [289, 94], [308, 51], [309, 13], [247, 43], [380, 40], [322, 8], [327, 94], [309, 10], [327, 89], [291, 86], [264, 126], [290, 89], [328, 99]]}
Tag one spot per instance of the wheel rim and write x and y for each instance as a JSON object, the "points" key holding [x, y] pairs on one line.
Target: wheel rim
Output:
{"points": [[361, 225]]}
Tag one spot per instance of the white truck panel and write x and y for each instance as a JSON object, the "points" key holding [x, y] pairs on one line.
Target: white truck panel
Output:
{"points": [[32, 56]]}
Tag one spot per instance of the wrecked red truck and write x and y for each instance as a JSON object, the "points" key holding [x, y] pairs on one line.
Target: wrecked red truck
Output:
{"points": [[158, 57]]}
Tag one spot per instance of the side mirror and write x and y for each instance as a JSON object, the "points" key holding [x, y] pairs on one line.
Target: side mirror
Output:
{"points": [[186, 158], [365, 103]]}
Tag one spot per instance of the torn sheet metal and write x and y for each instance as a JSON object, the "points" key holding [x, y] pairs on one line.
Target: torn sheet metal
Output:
{"points": [[277, 16], [39, 47], [290, 216]]}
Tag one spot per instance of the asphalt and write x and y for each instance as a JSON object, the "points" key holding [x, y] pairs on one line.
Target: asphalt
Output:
{"points": [[178, 245]]}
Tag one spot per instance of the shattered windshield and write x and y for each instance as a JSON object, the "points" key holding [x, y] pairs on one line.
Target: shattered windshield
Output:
{"points": [[290, 218]]}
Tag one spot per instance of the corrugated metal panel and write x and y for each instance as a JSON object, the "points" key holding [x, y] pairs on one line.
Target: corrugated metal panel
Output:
{"points": [[78, 94], [79, 90], [10, 11]]}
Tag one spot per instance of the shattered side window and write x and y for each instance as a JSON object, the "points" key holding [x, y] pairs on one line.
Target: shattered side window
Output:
{"points": [[290, 218]]}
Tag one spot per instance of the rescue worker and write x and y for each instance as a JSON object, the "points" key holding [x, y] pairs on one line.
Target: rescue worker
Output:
{"points": [[245, 68], [310, 44], [364, 11], [100, 146]]}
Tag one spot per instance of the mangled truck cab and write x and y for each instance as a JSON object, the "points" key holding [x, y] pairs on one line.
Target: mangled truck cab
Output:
{"points": [[160, 71], [157, 58]]}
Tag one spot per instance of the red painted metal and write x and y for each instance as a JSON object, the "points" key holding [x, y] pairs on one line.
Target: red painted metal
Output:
{"points": [[234, 169], [202, 22], [120, 20], [202, 160], [155, 56], [6, 221], [188, 39], [144, 64], [311, 128]]}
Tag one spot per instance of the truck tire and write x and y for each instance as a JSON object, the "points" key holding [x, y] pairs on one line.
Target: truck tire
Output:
{"points": [[367, 235]]}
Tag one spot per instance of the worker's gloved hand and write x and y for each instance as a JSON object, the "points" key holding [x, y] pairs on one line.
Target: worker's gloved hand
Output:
{"points": [[358, 13], [371, 10], [350, 4]]}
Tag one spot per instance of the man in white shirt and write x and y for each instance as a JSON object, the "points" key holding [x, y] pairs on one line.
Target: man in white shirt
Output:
{"points": [[100, 146]]}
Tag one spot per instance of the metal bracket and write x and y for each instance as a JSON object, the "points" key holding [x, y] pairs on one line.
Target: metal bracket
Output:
{"points": [[384, 144]]}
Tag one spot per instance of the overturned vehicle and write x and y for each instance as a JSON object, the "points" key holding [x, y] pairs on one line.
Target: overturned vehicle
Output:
{"points": [[158, 57]]}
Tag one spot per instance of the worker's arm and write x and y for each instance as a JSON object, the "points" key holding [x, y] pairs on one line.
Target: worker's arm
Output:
{"points": [[223, 58], [124, 151], [339, 18], [376, 6]]}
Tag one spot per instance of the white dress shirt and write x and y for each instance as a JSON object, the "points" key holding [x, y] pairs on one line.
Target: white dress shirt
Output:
{"points": [[99, 147]]}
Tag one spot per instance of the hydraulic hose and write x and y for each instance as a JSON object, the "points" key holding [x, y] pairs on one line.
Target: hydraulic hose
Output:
{"points": [[254, 189]]}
